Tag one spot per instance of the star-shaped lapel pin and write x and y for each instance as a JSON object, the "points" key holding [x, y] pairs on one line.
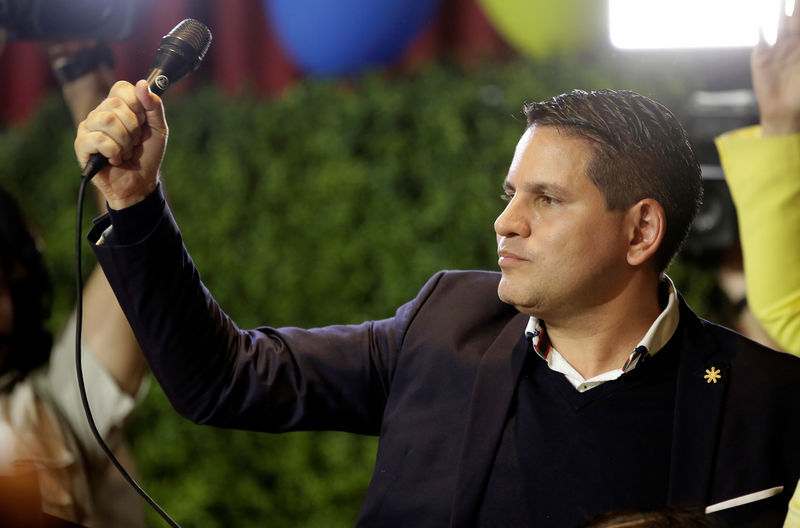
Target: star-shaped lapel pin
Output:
{"points": [[712, 375]]}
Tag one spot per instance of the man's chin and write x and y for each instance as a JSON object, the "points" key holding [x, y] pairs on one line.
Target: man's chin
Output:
{"points": [[521, 302], [507, 294]]}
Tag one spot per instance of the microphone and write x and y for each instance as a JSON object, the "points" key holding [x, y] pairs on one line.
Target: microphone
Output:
{"points": [[179, 54]]}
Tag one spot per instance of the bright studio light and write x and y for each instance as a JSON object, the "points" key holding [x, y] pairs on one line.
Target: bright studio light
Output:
{"points": [[656, 24]]}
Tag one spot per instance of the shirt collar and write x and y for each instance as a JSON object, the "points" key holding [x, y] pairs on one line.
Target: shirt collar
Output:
{"points": [[654, 340]]}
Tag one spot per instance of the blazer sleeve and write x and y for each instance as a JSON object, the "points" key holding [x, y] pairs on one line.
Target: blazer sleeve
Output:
{"points": [[265, 379]]}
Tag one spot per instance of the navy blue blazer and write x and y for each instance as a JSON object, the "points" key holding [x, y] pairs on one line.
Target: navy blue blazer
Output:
{"points": [[435, 382]]}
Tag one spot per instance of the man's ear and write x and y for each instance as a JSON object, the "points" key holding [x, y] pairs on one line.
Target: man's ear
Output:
{"points": [[647, 224]]}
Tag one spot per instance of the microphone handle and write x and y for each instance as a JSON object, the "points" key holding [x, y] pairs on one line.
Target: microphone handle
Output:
{"points": [[96, 162]]}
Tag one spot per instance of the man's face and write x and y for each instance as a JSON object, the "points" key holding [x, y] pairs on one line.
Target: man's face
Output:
{"points": [[561, 251]]}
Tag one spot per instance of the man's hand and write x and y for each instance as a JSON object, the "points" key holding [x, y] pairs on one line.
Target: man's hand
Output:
{"points": [[776, 78], [129, 129]]}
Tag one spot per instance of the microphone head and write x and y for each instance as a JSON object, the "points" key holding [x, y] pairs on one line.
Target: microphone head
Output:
{"points": [[194, 36], [179, 53]]}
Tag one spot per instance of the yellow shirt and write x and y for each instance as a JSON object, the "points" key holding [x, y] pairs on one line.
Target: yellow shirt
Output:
{"points": [[763, 175]]}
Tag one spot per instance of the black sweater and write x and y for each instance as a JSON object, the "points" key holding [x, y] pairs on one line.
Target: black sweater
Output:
{"points": [[604, 449]]}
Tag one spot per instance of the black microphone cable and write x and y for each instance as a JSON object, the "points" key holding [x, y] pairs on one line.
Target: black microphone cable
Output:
{"points": [[81, 385], [178, 54]]}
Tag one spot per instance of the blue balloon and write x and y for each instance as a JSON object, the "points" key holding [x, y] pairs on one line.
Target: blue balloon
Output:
{"points": [[340, 37]]}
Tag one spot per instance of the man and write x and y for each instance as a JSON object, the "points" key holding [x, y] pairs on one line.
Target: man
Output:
{"points": [[574, 382], [48, 454]]}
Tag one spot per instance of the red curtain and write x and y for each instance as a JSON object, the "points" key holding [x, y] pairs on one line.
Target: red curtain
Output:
{"points": [[244, 53]]}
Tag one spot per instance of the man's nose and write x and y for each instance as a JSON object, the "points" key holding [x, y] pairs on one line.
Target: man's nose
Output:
{"points": [[512, 221]]}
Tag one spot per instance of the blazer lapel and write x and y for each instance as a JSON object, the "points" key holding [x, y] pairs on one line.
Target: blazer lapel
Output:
{"points": [[495, 383], [699, 397]]}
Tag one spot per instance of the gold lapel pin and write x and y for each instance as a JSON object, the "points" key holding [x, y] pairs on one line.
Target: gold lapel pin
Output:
{"points": [[712, 375]]}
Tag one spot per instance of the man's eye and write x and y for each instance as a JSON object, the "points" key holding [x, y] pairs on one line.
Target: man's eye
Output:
{"points": [[506, 197], [549, 200]]}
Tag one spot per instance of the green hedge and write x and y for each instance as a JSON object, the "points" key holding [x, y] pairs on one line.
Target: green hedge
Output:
{"points": [[331, 204]]}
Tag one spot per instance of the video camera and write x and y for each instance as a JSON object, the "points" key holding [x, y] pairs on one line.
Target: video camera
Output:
{"points": [[68, 19]]}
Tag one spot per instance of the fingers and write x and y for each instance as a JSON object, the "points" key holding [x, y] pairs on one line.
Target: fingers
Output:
{"points": [[793, 16], [762, 39], [114, 128], [125, 92], [153, 107], [783, 22], [788, 19]]}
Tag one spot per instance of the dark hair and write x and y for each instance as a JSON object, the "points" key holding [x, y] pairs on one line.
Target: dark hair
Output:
{"points": [[25, 272], [641, 151], [668, 518]]}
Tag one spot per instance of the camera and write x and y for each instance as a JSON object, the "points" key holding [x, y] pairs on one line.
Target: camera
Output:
{"points": [[710, 114], [68, 19]]}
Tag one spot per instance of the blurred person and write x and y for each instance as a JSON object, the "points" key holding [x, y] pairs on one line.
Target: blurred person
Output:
{"points": [[762, 169], [575, 381], [47, 451], [731, 280]]}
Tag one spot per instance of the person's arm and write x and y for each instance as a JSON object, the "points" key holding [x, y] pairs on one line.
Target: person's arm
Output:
{"points": [[266, 379], [109, 336], [213, 372], [84, 71], [762, 168]]}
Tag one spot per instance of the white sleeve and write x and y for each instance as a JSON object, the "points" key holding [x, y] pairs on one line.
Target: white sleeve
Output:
{"points": [[110, 406]]}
